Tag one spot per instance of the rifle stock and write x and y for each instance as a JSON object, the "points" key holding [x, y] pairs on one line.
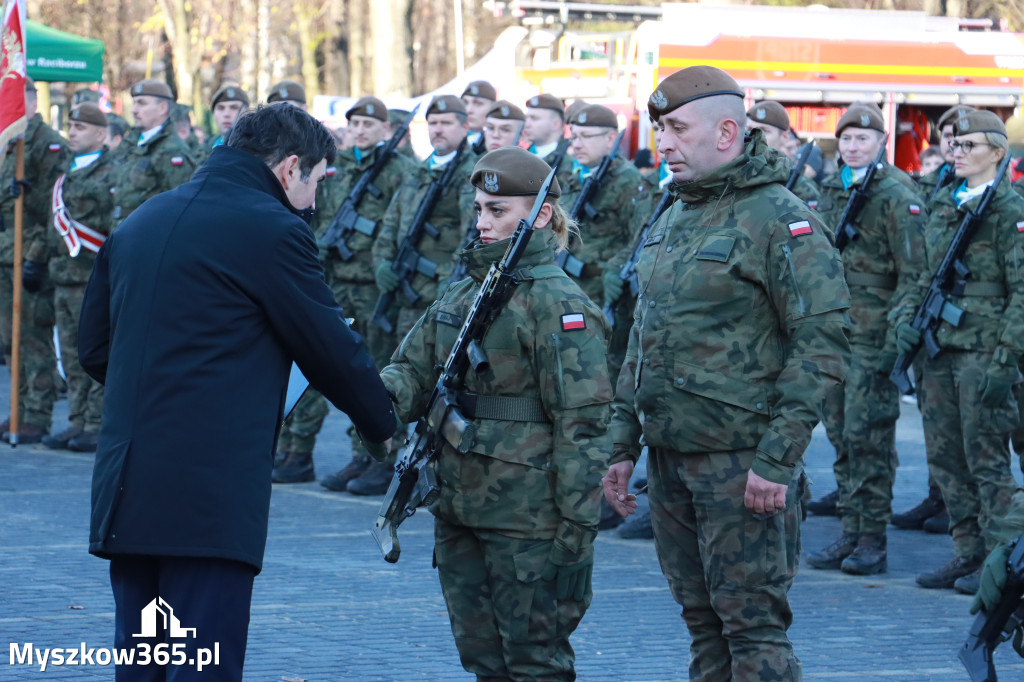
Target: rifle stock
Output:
{"points": [[990, 629]]}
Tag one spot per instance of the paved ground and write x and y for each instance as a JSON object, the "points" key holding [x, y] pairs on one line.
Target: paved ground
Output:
{"points": [[327, 607]]}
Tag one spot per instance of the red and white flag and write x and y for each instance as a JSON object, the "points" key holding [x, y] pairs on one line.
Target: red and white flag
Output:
{"points": [[12, 72]]}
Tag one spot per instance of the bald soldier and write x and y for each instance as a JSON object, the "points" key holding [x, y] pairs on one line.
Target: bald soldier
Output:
{"points": [[503, 125], [290, 92], [478, 98], [739, 331], [772, 120]]}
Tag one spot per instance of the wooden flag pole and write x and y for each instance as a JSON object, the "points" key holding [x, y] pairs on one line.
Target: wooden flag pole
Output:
{"points": [[19, 203]]}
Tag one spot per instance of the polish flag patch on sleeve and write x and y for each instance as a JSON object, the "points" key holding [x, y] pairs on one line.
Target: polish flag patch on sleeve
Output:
{"points": [[915, 209], [1020, 226], [798, 228], [177, 160], [812, 204], [573, 321], [54, 147], [331, 170]]}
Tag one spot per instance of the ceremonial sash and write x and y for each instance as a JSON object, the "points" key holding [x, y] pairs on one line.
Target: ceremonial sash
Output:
{"points": [[75, 234]]}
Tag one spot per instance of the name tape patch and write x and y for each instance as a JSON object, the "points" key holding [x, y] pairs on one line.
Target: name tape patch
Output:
{"points": [[800, 227], [573, 321]]}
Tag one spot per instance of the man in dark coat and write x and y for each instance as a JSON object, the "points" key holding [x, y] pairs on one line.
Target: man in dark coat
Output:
{"points": [[196, 308]]}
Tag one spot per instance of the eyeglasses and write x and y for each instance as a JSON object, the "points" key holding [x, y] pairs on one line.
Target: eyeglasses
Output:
{"points": [[581, 136], [967, 146]]}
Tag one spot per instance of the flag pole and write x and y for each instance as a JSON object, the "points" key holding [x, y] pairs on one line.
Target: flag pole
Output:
{"points": [[19, 203]]}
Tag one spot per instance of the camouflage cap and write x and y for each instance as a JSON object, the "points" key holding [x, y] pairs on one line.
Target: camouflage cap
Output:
{"points": [[446, 104], [861, 115], [772, 113], [545, 101], [88, 112], [480, 89], [151, 87], [689, 84], [953, 113], [116, 124], [505, 110], [368, 106], [396, 116], [229, 93], [181, 112], [30, 85], [512, 172], [978, 122], [595, 115], [287, 91]]}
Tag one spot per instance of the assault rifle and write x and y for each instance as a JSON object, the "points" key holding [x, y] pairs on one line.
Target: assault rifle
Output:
{"points": [[945, 175], [582, 206], [936, 306], [409, 261], [798, 165], [845, 231], [991, 629], [628, 271], [415, 483], [348, 219]]}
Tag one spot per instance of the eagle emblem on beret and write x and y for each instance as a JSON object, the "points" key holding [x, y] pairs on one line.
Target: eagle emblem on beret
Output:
{"points": [[491, 182], [659, 100], [865, 120], [582, 118], [474, 89], [369, 109], [963, 124], [760, 113], [138, 89], [283, 93], [442, 105], [534, 102], [230, 92], [504, 111]]}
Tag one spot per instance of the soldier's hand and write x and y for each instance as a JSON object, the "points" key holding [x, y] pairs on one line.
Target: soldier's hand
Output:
{"points": [[763, 496], [33, 276], [19, 186], [994, 392], [387, 279], [992, 580], [572, 570], [616, 488], [907, 337], [613, 286]]}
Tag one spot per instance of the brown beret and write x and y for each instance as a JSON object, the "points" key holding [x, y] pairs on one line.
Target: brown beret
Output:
{"points": [[545, 101], [84, 95], [512, 172], [504, 109], [88, 112], [152, 87], [287, 91], [861, 115], [978, 122], [481, 89], [772, 113], [689, 84], [368, 106], [595, 115], [573, 108], [229, 93], [446, 104], [30, 85], [953, 113], [398, 115]]}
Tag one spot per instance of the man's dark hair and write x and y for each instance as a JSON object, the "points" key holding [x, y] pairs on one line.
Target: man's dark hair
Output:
{"points": [[116, 125], [275, 131]]}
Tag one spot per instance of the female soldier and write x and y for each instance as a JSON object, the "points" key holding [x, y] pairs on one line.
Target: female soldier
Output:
{"points": [[517, 515], [970, 409]]}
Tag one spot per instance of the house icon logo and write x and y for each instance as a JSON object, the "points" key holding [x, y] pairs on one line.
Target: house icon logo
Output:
{"points": [[158, 615]]}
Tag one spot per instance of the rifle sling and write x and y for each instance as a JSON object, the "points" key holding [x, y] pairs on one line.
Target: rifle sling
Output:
{"points": [[503, 408], [865, 279]]}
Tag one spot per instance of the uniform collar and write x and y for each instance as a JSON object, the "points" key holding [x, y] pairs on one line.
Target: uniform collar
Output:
{"points": [[148, 135], [85, 160], [544, 150], [479, 257]]}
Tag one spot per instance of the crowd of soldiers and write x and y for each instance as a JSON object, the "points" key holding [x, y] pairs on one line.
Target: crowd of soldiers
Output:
{"points": [[400, 252]]}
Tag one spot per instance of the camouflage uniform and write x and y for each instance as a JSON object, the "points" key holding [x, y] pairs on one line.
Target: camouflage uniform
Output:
{"points": [[808, 191], [967, 443], [45, 153], [524, 487], [87, 197], [881, 268], [161, 164], [739, 332]]}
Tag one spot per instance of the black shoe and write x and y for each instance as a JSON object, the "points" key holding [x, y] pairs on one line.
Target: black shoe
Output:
{"points": [[637, 527], [27, 435], [913, 519], [869, 556], [279, 457], [969, 583], [339, 480], [296, 468], [945, 576], [87, 442], [938, 523], [831, 557], [374, 481], [825, 506], [59, 441], [609, 517]]}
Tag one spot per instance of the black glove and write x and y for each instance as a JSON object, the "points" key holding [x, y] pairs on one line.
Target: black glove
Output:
{"points": [[33, 276], [17, 186]]}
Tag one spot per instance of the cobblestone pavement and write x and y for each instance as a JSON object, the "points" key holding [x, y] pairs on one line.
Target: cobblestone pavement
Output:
{"points": [[327, 607]]}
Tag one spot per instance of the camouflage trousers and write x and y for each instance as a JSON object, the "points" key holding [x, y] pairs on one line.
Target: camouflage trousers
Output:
{"points": [[508, 622], [1017, 437], [730, 571], [85, 395], [357, 300], [37, 390], [968, 448], [862, 415]]}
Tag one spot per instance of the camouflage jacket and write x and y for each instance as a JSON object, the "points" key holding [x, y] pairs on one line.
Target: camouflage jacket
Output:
{"points": [[741, 326], [994, 300], [88, 200], [160, 165], [45, 154], [644, 204], [453, 215], [883, 264], [525, 479], [564, 167], [926, 183], [808, 191], [331, 194]]}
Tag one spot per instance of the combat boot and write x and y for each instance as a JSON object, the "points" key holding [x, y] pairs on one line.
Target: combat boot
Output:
{"points": [[825, 506], [374, 481], [637, 527], [913, 519], [296, 468], [87, 442], [59, 441], [938, 523], [969, 584], [869, 556], [945, 576], [340, 479], [831, 557]]}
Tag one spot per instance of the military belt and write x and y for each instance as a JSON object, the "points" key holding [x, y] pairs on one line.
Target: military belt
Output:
{"points": [[980, 289], [503, 408], [865, 279]]}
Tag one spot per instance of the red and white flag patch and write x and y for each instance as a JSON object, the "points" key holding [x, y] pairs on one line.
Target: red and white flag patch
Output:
{"points": [[813, 204], [177, 160], [573, 321], [54, 147], [331, 170], [1020, 226], [800, 227], [915, 209]]}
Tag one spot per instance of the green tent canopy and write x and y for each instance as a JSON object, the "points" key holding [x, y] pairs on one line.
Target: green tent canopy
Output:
{"points": [[54, 55]]}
